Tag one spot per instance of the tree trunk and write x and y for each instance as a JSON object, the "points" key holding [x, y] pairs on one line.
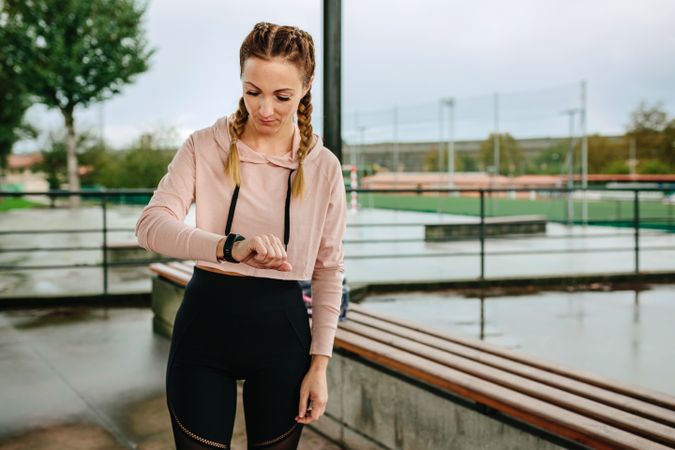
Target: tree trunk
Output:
{"points": [[73, 177]]}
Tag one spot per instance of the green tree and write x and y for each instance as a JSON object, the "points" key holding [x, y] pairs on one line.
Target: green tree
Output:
{"points": [[550, 161], [511, 155], [645, 131], [55, 156], [76, 52], [668, 144], [654, 166], [14, 100], [431, 161], [602, 152]]}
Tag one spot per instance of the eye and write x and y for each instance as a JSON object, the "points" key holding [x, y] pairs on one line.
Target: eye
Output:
{"points": [[281, 98]]}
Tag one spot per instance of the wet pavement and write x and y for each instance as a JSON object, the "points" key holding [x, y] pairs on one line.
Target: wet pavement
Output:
{"points": [[612, 251], [88, 378], [622, 335]]}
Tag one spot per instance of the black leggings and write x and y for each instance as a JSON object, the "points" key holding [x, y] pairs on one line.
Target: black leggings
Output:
{"points": [[228, 328]]}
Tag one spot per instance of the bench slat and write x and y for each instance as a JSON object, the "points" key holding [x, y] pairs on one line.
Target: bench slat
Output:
{"points": [[657, 398], [593, 392], [544, 415], [571, 402]]}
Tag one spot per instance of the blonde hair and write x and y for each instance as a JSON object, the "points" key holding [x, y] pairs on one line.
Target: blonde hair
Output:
{"points": [[267, 41]]}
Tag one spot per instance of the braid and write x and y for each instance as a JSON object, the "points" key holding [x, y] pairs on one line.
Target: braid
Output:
{"points": [[236, 129], [306, 135]]}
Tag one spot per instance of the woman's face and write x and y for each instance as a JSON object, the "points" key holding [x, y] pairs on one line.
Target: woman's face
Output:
{"points": [[272, 93]]}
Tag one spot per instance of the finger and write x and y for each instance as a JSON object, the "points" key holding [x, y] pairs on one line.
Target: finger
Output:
{"points": [[285, 267], [274, 249], [260, 249], [279, 251], [269, 249], [302, 407], [315, 412]]}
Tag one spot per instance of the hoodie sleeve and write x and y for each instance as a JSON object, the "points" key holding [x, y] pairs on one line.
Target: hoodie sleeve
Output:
{"points": [[161, 229], [329, 269]]}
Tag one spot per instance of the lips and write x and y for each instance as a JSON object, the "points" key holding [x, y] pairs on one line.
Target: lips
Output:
{"points": [[266, 122]]}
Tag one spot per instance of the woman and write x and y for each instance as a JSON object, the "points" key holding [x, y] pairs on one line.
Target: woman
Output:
{"points": [[270, 210]]}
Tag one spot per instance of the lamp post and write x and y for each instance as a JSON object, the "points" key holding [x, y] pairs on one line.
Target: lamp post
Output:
{"points": [[450, 103], [570, 163]]}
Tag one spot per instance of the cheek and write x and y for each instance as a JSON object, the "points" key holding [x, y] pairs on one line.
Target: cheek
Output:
{"points": [[247, 104], [288, 110]]}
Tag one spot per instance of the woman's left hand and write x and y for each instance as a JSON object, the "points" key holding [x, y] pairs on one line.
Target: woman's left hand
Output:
{"points": [[315, 389]]}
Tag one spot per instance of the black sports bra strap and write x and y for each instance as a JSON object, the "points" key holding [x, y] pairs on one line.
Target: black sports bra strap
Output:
{"points": [[233, 205], [287, 215]]}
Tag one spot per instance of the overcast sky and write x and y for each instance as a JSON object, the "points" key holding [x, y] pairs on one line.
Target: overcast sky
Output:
{"points": [[410, 53]]}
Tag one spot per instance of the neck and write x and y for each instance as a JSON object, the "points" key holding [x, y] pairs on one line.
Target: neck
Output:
{"points": [[278, 143]]}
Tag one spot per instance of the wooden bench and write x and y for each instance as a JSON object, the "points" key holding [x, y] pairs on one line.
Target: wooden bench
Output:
{"points": [[493, 226], [126, 251], [483, 384]]}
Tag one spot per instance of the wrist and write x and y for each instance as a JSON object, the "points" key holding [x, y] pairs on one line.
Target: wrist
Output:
{"points": [[228, 247], [219, 248], [236, 250], [319, 362]]}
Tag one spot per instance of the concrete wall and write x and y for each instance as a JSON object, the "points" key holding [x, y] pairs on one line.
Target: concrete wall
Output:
{"points": [[369, 408]]}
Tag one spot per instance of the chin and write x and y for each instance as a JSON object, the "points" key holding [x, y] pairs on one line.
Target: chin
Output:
{"points": [[273, 129], [266, 130]]}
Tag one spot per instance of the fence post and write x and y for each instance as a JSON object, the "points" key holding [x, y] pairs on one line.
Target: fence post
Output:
{"points": [[482, 234], [104, 204], [636, 226]]}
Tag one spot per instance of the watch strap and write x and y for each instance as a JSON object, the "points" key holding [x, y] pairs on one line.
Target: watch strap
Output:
{"points": [[229, 243]]}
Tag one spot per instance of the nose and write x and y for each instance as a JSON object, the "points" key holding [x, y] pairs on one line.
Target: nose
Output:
{"points": [[266, 108]]}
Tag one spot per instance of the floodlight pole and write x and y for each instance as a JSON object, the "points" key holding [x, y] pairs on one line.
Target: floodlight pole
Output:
{"points": [[584, 154], [495, 141], [450, 102]]}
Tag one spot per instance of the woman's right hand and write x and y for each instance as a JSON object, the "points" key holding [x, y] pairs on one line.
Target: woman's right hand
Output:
{"points": [[265, 251]]}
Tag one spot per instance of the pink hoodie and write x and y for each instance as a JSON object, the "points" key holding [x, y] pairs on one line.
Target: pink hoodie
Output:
{"points": [[317, 221]]}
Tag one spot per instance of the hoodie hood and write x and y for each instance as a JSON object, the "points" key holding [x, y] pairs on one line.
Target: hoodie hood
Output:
{"points": [[289, 160]]}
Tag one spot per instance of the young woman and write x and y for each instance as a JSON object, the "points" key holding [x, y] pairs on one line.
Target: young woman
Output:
{"points": [[270, 210]]}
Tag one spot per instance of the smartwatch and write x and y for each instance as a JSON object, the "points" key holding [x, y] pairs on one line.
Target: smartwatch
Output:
{"points": [[227, 247]]}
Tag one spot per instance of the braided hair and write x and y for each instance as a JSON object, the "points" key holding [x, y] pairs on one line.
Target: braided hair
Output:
{"points": [[265, 41]]}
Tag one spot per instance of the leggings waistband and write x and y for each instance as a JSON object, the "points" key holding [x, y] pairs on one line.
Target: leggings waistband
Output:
{"points": [[244, 294]]}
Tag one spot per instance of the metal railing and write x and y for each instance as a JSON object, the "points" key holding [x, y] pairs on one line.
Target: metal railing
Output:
{"points": [[482, 197], [486, 196]]}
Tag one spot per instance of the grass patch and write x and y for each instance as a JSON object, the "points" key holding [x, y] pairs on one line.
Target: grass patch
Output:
{"points": [[604, 212], [9, 203]]}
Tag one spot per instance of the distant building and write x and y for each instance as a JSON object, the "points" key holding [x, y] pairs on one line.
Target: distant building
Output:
{"points": [[412, 154], [20, 173]]}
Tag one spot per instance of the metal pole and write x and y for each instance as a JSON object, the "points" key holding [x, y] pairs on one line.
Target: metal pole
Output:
{"points": [[451, 145], [440, 135], [352, 148], [636, 228], [584, 155], [396, 156], [632, 156], [495, 140], [569, 161], [332, 80], [104, 203], [570, 172], [482, 234]]}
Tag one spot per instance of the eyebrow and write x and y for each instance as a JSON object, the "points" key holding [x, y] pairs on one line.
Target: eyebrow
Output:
{"points": [[278, 90]]}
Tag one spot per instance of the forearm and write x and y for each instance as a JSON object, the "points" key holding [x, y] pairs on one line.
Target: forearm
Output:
{"points": [[219, 249], [319, 362]]}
